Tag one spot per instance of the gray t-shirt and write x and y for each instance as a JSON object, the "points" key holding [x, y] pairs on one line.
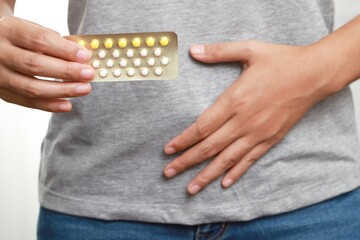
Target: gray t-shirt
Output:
{"points": [[105, 158]]}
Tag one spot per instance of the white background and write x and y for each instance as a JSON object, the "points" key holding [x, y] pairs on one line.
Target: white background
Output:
{"points": [[22, 130]]}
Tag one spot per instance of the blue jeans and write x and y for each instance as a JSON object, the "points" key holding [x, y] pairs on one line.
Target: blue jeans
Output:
{"points": [[334, 219]]}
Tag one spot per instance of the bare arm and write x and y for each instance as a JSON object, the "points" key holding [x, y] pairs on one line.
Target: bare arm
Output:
{"points": [[278, 86], [340, 51]]}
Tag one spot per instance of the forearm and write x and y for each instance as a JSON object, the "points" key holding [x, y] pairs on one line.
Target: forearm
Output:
{"points": [[6, 7], [340, 51]]}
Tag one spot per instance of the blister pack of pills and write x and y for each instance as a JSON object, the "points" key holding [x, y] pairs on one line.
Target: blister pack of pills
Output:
{"points": [[132, 56]]}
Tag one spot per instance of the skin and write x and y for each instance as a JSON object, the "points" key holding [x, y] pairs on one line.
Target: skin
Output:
{"points": [[278, 86], [29, 50]]}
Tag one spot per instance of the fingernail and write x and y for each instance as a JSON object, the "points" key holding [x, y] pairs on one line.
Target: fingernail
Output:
{"points": [[198, 49], [194, 189], [87, 73], [82, 88], [64, 107], [170, 172], [227, 182], [170, 150], [83, 55]]}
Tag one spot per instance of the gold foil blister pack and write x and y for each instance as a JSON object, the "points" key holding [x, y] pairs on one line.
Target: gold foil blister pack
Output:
{"points": [[132, 56]]}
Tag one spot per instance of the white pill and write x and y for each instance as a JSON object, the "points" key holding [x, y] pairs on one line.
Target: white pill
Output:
{"points": [[96, 64], [158, 71], [116, 54], [110, 63], [117, 73], [143, 52], [165, 61], [123, 63], [102, 54], [130, 72], [137, 62], [151, 62], [130, 53], [144, 72], [103, 73], [157, 52]]}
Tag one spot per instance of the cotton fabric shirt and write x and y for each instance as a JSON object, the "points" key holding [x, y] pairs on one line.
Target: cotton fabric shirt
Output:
{"points": [[105, 158]]}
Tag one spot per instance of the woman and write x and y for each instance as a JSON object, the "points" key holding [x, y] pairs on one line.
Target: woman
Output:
{"points": [[141, 160]]}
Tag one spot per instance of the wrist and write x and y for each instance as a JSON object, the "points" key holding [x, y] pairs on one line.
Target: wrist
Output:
{"points": [[337, 56], [331, 66]]}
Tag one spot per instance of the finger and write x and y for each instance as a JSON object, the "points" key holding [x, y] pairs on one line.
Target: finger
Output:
{"points": [[49, 105], [32, 63], [206, 149], [39, 39], [227, 159], [34, 88], [207, 123], [235, 173], [224, 52]]}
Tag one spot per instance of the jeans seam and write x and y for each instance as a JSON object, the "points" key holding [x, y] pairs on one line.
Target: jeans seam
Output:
{"points": [[217, 236], [221, 232]]}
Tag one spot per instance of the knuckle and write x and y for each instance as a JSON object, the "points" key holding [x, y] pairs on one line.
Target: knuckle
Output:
{"points": [[266, 134], [259, 131], [253, 47], [250, 161], [202, 129], [66, 92], [39, 39], [278, 136], [237, 101], [32, 91], [227, 162], [181, 164], [69, 50], [203, 179], [270, 133], [248, 143], [69, 70], [207, 149], [183, 143], [33, 64]]}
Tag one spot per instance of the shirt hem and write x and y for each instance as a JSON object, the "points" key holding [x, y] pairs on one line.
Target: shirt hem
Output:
{"points": [[175, 214]]}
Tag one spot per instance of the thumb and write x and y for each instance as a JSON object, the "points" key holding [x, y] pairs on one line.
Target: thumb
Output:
{"points": [[222, 52]]}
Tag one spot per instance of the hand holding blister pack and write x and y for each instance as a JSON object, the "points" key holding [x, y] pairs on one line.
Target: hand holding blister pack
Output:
{"points": [[132, 56]]}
